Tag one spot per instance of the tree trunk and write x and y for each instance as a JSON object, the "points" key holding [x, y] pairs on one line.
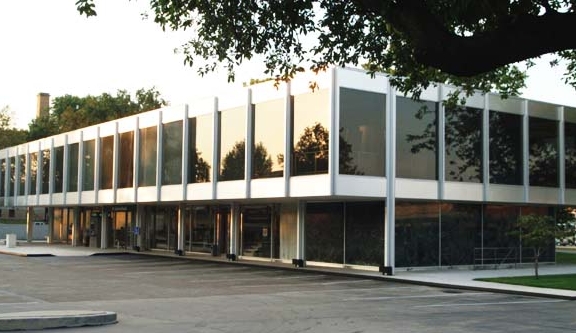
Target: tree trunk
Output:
{"points": [[536, 256]]}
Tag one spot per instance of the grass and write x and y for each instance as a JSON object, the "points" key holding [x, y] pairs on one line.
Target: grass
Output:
{"points": [[565, 257], [11, 221], [563, 281]]}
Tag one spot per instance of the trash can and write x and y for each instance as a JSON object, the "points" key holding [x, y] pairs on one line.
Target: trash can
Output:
{"points": [[11, 240]]}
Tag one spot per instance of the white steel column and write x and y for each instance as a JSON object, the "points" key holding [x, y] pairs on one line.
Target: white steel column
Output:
{"points": [[139, 227], [76, 226], [525, 150], [104, 228], [249, 143], [486, 147], [300, 259], [50, 220], [234, 230], [29, 223], [561, 157], [181, 217], [390, 215]]}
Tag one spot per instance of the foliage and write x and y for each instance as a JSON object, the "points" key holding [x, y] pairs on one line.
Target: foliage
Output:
{"points": [[9, 136], [72, 112], [562, 281], [474, 44], [538, 231], [566, 257], [233, 162]]}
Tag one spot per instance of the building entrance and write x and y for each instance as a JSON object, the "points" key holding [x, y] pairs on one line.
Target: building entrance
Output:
{"points": [[260, 232], [120, 225]]}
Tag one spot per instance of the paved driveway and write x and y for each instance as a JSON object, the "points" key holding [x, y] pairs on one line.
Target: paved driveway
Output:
{"points": [[160, 294]]}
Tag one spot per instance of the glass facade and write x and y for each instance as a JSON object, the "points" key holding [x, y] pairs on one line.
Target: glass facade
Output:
{"points": [[324, 231], [570, 154], [362, 146], [364, 233], [269, 129], [417, 234], [126, 160], [22, 175], [12, 178], [45, 185], [33, 174], [172, 153], [416, 139], [311, 116], [58, 169], [498, 245], [107, 162], [89, 165], [505, 148], [199, 229], [463, 154], [148, 156], [232, 144], [72, 167], [2, 178], [200, 149], [460, 233], [543, 152]]}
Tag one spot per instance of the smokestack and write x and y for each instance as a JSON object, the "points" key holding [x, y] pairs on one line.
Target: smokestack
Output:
{"points": [[43, 105]]}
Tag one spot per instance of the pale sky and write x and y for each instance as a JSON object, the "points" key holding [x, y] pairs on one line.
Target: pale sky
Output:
{"points": [[47, 46]]}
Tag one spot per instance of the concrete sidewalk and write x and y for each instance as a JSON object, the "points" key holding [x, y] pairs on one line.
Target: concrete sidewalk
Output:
{"points": [[447, 278]]}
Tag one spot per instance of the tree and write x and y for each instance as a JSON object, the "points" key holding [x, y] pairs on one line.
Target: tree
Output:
{"points": [[233, 162], [539, 231], [72, 112], [9, 135], [471, 43]]}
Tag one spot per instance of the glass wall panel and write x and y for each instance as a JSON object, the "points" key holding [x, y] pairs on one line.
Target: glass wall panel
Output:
{"points": [[499, 246], [258, 232], [310, 134], [416, 137], [172, 153], [505, 148], [365, 233], [463, 131], [417, 234], [22, 175], [58, 169], [148, 156], [460, 233], [570, 154], [12, 179], [126, 160], [200, 149], [362, 133], [72, 167], [232, 143], [33, 173], [269, 129], [162, 223], [2, 178], [543, 158], [89, 165], [288, 231], [324, 229], [200, 230], [107, 162], [45, 186]]}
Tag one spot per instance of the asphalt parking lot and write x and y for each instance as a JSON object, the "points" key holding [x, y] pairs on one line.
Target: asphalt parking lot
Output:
{"points": [[161, 294]]}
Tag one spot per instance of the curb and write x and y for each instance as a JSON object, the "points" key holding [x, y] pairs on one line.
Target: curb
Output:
{"points": [[37, 320]]}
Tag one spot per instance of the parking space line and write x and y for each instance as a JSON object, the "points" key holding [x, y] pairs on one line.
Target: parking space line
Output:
{"points": [[491, 303]]}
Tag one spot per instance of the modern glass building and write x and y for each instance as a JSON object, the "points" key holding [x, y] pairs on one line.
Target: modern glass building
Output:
{"points": [[349, 174]]}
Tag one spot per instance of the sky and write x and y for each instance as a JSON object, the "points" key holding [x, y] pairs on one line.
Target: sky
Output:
{"points": [[47, 46]]}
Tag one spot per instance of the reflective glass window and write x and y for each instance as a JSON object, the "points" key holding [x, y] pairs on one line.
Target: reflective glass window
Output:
{"points": [[417, 234], [461, 233], [362, 146], [172, 153], [543, 152], [126, 160], [33, 173], [200, 149], [2, 178], [365, 233], [269, 129], [73, 150], [570, 154], [505, 148], [232, 143], [107, 162], [324, 229], [499, 245], [22, 175], [45, 185], [310, 133], [12, 179], [463, 156], [416, 139], [58, 169], [89, 165], [148, 156], [199, 230]]}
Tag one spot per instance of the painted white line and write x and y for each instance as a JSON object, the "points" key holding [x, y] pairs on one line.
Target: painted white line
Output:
{"points": [[491, 303], [412, 296], [19, 303]]}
